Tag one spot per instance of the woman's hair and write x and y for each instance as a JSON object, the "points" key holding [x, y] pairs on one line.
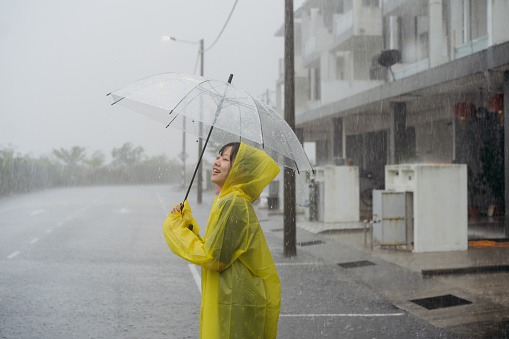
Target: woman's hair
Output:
{"points": [[235, 148]]}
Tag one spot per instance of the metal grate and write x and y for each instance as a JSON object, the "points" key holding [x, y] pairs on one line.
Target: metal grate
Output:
{"points": [[354, 264], [441, 301], [311, 243]]}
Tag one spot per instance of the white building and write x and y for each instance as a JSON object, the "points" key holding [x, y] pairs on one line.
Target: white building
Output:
{"points": [[437, 104]]}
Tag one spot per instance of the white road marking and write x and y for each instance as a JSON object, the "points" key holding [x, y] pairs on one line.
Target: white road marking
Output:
{"points": [[344, 315], [37, 212], [196, 275], [162, 203], [34, 240], [12, 255], [49, 231], [300, 264]]}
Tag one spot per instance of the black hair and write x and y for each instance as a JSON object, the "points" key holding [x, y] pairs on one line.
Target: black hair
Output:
{"points": [[235, 148]]}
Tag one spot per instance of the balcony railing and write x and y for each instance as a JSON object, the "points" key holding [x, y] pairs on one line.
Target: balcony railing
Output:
{"points": [[471, 47], [405, 70], [310, 46], [340, 89], [343, 23]]}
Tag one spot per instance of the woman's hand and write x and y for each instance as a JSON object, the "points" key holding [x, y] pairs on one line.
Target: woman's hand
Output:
{"points": [[176, 209]]}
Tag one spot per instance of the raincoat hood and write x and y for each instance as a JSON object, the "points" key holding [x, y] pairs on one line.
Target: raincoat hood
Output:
{"points": [[251, 172]]}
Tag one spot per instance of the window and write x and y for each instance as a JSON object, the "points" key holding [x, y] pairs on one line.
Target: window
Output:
{"points": [[370, 3], [317, 84], [340, 68], [314, 83]]}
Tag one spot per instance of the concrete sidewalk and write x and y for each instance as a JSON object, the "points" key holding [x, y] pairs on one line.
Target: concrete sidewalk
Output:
{"points": [[427, 285]]}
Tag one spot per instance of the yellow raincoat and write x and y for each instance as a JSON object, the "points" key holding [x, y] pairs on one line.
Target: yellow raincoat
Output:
{"points": [[240, 284]]}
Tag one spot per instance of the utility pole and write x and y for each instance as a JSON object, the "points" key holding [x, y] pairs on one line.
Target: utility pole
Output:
{"points": [[290, 234], [200, 141], [183, 157]]}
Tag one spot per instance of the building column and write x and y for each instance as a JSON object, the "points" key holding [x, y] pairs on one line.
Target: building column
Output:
{"points": [[397, 135], [437, 40], [322, 152], [337, 141], [506, 150]]}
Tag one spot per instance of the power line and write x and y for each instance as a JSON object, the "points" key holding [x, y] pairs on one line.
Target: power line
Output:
{"points": [[222, 30]]}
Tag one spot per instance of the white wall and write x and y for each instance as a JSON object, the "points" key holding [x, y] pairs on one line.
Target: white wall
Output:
{"points": [[367, 20], [437, 38], [498, 28]]}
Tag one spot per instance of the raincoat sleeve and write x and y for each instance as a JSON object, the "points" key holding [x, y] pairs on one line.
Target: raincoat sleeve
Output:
{"points": [[184, 242], [226, 240]]}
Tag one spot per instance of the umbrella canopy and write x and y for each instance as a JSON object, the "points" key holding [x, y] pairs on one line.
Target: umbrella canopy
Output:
{"points": [[196, 105]]}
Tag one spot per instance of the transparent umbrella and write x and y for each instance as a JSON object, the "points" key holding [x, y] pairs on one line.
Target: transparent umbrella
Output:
{"points": [[215, 110]]}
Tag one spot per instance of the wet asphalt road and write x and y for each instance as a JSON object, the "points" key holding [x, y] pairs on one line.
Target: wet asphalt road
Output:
{"points": [[93, 263]]}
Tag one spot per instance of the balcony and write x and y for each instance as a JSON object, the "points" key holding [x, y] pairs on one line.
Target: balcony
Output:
{"points": [[358, 28], [404, 7], [333, 91], [405, 70], [343, 23], [471, 47], [311, 51]]}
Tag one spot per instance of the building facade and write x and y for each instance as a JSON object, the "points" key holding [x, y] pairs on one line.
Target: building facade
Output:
{"points": [[383, 82]]}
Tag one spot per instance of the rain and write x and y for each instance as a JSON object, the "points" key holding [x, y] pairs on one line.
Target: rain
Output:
{"points": [[398, 230]]}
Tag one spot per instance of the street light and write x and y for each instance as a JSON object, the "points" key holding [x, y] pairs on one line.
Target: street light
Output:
{"points": [[200, 141]]}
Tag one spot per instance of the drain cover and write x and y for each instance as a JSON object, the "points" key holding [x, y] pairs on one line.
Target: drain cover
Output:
{"points": [[441, 301], [355, 264], [311, 243]]}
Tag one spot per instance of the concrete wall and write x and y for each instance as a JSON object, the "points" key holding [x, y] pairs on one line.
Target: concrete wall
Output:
{"points": [[367, 20], [498, 28], [437, 34]]}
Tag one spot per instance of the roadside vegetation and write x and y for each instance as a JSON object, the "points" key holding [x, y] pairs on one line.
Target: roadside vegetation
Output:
{"points": [[74, 167]]}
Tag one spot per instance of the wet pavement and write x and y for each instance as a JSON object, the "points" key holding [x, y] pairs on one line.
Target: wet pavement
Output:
{"points": [[466, 293], [92, 263]]}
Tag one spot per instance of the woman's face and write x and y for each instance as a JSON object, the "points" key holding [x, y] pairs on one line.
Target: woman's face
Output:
{"points": [[221, 167]]}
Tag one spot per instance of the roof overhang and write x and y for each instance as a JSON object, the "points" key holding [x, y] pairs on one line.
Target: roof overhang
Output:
{"points": [[484, 68]]}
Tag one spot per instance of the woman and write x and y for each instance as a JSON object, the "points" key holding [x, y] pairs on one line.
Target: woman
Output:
{"points": [[240, 285]]}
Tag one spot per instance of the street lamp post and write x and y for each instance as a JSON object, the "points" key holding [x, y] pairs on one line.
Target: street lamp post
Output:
{"points": [[200, 141]]}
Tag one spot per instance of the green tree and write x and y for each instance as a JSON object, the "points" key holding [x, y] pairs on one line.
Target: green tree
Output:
{"points": [[72, 157], [127, 155], [96, 160]]}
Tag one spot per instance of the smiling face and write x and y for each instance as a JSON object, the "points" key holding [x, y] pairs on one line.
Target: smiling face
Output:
{"points": [[221, 167]]}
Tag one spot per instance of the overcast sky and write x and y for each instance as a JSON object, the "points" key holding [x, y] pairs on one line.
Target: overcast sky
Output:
{"points": [[59, 59]]}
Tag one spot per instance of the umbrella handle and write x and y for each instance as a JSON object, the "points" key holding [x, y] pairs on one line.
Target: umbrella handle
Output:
{"points": [[182, 212]]}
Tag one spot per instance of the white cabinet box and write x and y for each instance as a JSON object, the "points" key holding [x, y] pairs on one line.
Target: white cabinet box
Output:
{"points": [[339, 193], [439, 203]]}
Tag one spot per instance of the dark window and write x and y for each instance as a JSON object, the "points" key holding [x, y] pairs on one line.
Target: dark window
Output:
{"points": [[370, 3]]}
